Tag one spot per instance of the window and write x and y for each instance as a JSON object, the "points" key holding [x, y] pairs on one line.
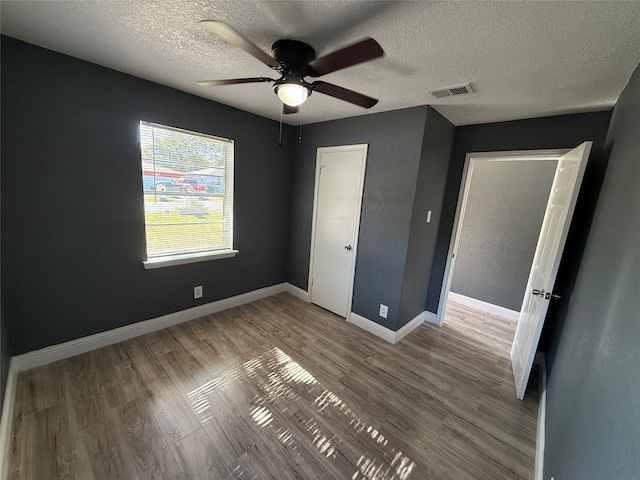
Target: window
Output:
{"points": [[187, 179]]}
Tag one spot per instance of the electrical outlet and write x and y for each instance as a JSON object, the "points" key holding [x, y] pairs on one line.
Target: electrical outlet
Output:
{"points": [[429, 216], [384, 310], [197, 291]]}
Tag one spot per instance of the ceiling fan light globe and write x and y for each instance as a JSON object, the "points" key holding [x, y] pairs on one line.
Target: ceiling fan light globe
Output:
{"points": [[292, 94]]}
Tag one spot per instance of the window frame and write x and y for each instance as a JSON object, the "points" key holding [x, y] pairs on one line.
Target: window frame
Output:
{"points": [[170, 259]]}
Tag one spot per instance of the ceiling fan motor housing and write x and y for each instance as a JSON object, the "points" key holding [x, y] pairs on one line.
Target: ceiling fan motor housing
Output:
{"points": [[293, 56]]}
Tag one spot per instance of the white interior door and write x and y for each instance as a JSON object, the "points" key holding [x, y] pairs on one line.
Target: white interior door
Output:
{"points": [[338, 198], [555, 226]]}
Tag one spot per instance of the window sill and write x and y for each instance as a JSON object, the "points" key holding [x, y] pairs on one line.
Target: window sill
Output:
{"points": [[171, 260]]}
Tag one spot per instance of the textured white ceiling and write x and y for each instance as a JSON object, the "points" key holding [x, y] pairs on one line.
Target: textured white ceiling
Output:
{"points": [[524, 59]]}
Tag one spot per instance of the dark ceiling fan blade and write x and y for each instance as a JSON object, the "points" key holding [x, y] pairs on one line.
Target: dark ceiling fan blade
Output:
{"points": [[287, 109], [359, 52], [233, 81], [227, 33], [344, 94]]}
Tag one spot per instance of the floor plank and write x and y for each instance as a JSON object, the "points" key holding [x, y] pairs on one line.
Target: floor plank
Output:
{"points": [[198, 457], [281, 389], [45, 446], [141, 437]]}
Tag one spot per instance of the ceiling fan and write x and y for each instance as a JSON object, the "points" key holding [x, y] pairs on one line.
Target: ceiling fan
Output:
{"points": [[294, 60]]}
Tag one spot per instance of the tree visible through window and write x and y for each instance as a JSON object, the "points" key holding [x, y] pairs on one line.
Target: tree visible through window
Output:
{"points": [[188, 191]]}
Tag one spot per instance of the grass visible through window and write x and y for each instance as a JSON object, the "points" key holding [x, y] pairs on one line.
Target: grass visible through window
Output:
{"points": [[184, 225]]}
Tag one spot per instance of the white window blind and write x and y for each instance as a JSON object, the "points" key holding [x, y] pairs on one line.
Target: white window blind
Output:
{"points": [[188, 191]]}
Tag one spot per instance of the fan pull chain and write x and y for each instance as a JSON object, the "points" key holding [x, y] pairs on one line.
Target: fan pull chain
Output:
{"points": [[280, 134], [301, 118]]}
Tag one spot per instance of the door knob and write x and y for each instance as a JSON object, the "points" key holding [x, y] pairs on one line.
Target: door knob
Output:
{"points": [[538, 292], [347, 247], [555, 296]]}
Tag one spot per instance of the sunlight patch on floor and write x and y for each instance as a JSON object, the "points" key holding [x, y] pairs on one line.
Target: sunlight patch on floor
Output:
{"points": [[286, 387]]}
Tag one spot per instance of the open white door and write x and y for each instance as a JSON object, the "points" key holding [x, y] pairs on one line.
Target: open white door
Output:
{"points": [[553, 234], [336, 221]]}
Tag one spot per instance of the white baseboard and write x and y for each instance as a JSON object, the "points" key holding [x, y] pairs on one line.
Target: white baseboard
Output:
{"points": [[298, 292], [54, 353], [431, 318], [542, 417], [497, 310], [372, 327], [384, 332], [7, 419], [409, 327]]}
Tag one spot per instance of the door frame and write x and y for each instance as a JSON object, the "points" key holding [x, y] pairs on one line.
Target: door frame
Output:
{"points": [[363, 147], [463, 196]]}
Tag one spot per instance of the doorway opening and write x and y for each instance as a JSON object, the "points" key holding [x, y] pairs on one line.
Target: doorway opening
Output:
{"points": [[501, 209], [509, 238]]}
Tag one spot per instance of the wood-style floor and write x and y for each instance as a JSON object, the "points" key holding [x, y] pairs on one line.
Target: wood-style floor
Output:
{"points": [[280, 389]]}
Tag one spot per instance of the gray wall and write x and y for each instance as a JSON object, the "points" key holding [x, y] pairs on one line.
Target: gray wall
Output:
{"points": [[72, 218], [429, 191], [395, 141], [565, 131], [593, 390], [509, 197]]}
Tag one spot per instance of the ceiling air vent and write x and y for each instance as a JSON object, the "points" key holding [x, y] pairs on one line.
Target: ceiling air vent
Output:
{"points": [[451, 91]]}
